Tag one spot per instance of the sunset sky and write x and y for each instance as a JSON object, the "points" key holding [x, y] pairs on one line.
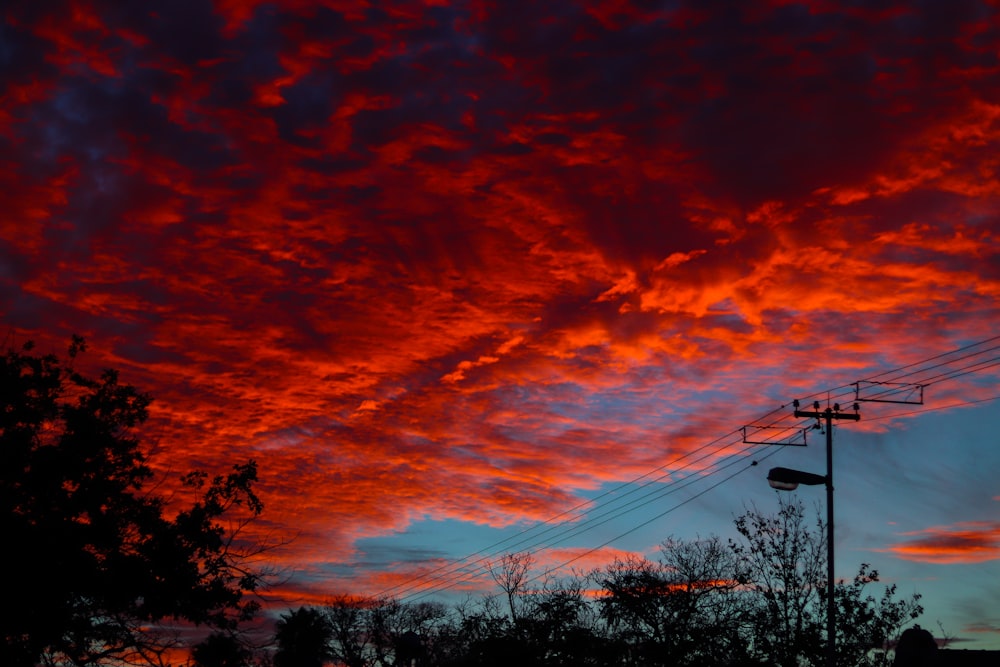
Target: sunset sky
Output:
{"points": [[475, 277]]}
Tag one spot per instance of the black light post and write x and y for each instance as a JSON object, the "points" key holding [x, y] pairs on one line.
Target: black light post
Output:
{"points": [[787, 479]]}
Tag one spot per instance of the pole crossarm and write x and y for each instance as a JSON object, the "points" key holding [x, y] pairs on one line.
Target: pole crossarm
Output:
{"points": [[828, 413], [905, 393]]}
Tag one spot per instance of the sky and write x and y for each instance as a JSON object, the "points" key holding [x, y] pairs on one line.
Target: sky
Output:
{"points": [[475, 277]]}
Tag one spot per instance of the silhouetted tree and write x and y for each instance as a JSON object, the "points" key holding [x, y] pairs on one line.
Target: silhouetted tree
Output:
{"points": [[632, 606], [409, 650], [482, 634], [350, 640], [383, 632], [95, 561], [511, 574], [303, 638], [785, 565], [680, 610], [401, 631], [703, 602], [866, 626], [385, 624], [559, 625], [706, 608], [221, 650]]}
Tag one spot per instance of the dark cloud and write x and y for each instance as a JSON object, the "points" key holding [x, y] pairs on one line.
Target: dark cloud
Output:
{"points": [[447, 262], [186, 31]]}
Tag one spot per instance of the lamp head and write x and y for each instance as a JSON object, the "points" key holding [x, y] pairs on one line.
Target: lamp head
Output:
{"points": [[787, 479]]}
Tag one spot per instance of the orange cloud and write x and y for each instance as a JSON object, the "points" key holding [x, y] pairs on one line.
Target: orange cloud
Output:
{"points": [[424, 269], [967, 542]]}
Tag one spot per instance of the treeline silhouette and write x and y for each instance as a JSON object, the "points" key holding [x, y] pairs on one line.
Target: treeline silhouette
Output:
{"points": [[757, 600], [105, 571]]}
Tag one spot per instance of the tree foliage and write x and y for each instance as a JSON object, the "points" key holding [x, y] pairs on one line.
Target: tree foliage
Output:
{"points": [[865, 622], [784, 556], [510, 574], [96, 560], [785, 564], [221, 649], [747, 603], [682, 609], [303, 638]]}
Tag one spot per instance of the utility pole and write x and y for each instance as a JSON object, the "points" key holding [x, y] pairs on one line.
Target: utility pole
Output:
{"points": [[786, 479], [828, 415]]}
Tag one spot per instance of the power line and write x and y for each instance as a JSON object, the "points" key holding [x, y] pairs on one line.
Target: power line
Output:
{"points": [[464, 564], [633, 486], [940, 356], [569, 530], [934, 409], [657, 517], [485, 569], [469, 568]]}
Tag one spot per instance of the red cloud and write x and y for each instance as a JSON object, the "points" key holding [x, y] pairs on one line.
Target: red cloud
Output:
{"points": [[444, 264], [967, 542]]}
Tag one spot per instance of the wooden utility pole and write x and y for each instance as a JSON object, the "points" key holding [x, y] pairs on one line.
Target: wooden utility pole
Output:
{"points": [[828, 415]]}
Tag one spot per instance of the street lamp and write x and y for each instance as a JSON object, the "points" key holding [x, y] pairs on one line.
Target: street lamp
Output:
{"points": [[787, 479]]}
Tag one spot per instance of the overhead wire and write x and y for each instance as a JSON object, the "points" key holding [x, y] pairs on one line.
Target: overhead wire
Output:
{"points": [[682, 485], [963, 348], [654, 518], [478, 558], [892, 381], [895, 375], [573, 531], [632, 486], [971, 368], [469, 568], [950, 406], [566, 527]]}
